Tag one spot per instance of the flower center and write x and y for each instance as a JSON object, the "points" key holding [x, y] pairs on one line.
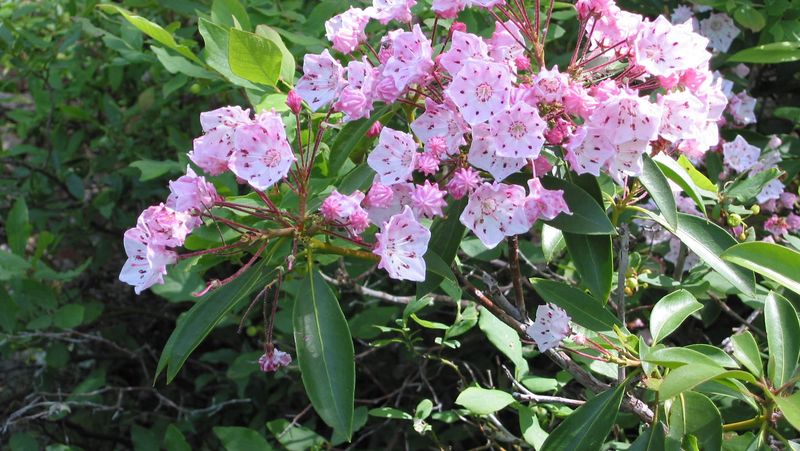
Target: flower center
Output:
{"points": [[272, 158], [517, 129], [483, 92], [488, 206]]}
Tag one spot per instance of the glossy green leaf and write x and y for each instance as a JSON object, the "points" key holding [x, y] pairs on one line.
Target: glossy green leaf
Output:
{"points": [[776, 52], [235, 438], [532, 432], [783, 338], [709, 241], [504, 338], [587, 427], [390, 412], [593, 257], [351, 135], [773, 261], [194, 325], [253, 57], [673, 171], [698, 177], [552, 242], [481, 401], [587, 218], [790, 407], [657, 185], [694, 414], [446, 234], [582, 308], [745, 350], [670, 312], [18, 227], [652, 439], [677, 357], [687, 377], [325, 352]]}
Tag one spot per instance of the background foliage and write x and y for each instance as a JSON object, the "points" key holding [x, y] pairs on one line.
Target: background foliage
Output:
{"points": [[99, 105]]}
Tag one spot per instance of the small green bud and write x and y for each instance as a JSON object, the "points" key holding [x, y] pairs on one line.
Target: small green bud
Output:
{"points": [[755, 209], [251, 331], [734, 220], [195, 88]]}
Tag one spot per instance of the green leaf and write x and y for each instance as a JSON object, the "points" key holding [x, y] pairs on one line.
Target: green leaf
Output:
{"points": [[224, 12], [216, 40], [552, 242], [195, 325], [670, 312], [749, 17], [652, 439], [791, 408], [698, 177], [325, 353], [709, 241], [178, 64], [694, 414], [687, 377], [657, 185], [677, 357], [446, 234], [675, 172], [587, 427], [351, 135], [253, 57], [582, 308], [153, 169], [773, 261], [18, 227], [587, 218], [504, 338], [390, 412], [240, 439], [295, 437], [153, 30], [593, 258], [776, 52], [783, 338], [532, 432], [481, 401], [287, 59], [745, 350], [748, 187], [175, 440], [69, 316]]}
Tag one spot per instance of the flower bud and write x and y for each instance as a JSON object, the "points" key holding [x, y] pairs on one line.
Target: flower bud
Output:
{"points": [[294, 102], [755, 209], [522, 62], [458, 26], [734, 220], [374, 130]]}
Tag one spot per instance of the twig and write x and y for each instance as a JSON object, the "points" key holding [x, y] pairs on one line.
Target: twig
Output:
{"points": [[622, 269], [516, 277]]}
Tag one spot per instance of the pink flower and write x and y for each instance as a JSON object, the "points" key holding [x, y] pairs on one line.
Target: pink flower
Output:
{"points": [[322, 80], [541, 166], [504, 45], [588, 150], [427, 200], [458, 26], [626, 117], [522, 62], [490, 213], [428, 163], [777, 226], [588, 8], [720, 31], [146, 264], [550, 327], [543, 203], [464, 181], [627, 160], [480, 90], [191, 193], [379, 195], [436, 147], [401, 244], [346, 211], [395, 156], [465, 46], [346, 30], [483, 154], [442, 121], [448, 9], [742, 108], [771, 191], [793, 221], [684, 116], [741, 70], [229, 116], [355, 100], [788, 200], [263, 156], [774, 142], [386, 10], [294, 102], [548, 86], [664, 49], [681, 14], [739, 155], [411, 60], [381, 205], [271, 361], [163, 226], [212, 150], [518, 131]]}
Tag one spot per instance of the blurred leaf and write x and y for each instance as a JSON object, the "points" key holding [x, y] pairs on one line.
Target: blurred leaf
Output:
{"points": [[481, 401], [295, 437], [12, 266], [657, 185], [253, 57], [587, 427], [505, 339], [745, 350], [390, 412], [177, 64], [670, 312], [698, 177], [749, 17], [325, 352], [69, 316], [174, 439], [592, 256], [587, 218], [153, 169], [584, 310], [773, 261], [224, 12], [240, 439], [652, 439], [748, 187], [17, 227], [783, 338], [776, 52]]}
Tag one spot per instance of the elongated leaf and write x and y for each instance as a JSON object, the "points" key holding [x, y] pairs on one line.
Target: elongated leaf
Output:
{"points": [[791, 408], [505, 339], [783, 338], [773, 261], [657, 185], [677, 357], [351, 135], [593, 258], [670, 312], [552, 242], [253, 57], [481, 401], [749, 186], [698, 177], [194, 325], [694, 414], [325, 353], [389, 412], [652, 439], [587, 427], [687, 377], [235, 438], [446, 236], [18, 227], [776, 52], [709, 241], [745, 350], [673, 171], [582, 308], [587, 218]]}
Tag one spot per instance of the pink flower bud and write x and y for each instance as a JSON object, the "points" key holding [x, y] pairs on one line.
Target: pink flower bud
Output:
{"points": [[522, 62], [375, 129], [458, 26], [294, 102]]}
